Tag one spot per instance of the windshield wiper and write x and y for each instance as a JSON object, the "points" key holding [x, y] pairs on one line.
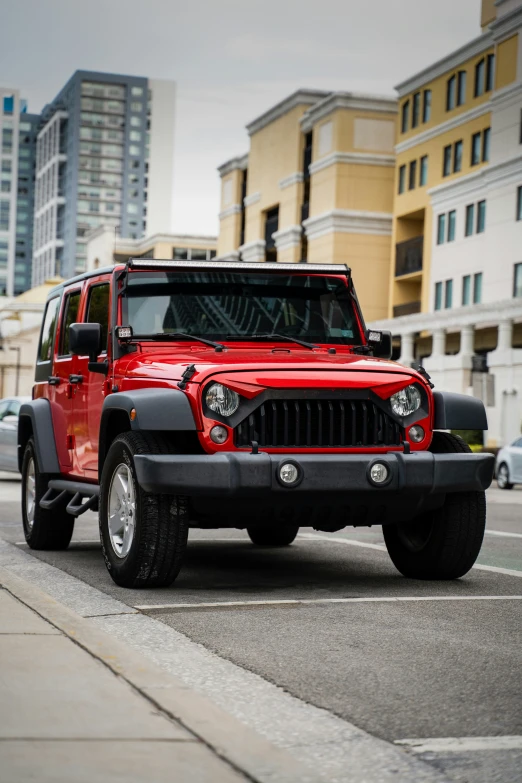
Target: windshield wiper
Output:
{"points": [[178, 335], [279, 337]]}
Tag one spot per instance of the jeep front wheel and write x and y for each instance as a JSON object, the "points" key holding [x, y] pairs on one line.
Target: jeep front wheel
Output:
{"points": [[143, 535], [443, 543]]}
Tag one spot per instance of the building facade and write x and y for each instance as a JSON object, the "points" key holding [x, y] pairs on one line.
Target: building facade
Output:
{"points": [[456, 274], [17, 161], [104, 155], [105, 249], [316, 185]]}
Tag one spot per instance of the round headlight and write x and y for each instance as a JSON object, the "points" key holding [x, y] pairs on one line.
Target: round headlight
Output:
{"points": [[221, 400], [406, 402]]}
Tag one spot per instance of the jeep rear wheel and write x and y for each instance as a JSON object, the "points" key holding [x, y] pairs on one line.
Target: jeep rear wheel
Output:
{"points": [[143, 535], [43, 528], [273, 536], [443, 543]]}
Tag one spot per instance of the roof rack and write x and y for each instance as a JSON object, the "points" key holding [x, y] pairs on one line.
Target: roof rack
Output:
{"points": [[239, 266]]}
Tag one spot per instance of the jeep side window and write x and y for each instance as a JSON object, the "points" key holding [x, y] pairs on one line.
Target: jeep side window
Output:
{"points": [[70, 316], [98, 310], [45, 349]]}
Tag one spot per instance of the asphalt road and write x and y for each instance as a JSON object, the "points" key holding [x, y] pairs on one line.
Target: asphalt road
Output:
{"points": [[443, 660]]}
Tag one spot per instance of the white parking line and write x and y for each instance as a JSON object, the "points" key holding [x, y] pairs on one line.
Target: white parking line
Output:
{"points": [[313, 601], [458, 744], [503, 534], [382, 548]]}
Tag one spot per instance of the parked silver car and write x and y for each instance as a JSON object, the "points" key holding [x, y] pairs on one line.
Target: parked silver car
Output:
{"points": [[508, 468], [9, 409]]}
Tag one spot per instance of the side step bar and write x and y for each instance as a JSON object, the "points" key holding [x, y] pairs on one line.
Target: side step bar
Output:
{"points": [[60, 491]]}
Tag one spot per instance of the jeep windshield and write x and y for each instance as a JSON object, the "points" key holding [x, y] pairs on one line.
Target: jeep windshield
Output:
{"points": [[235, 306]]}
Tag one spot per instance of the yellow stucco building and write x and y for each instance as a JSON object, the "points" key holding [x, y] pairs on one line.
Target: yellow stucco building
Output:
{"points": [[317, 185]]}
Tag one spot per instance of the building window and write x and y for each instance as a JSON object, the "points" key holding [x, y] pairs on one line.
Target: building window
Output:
{"points": [[457, 156], [517, 281], [180, 253], [136, 92], [477, 288], [271, 226], [134, 149], [446, 169], [438, 296], [415, 110], [490, 72], [480, 72], [402, 179], [423, 178], [481, 217], [452, 221], [135, 135], [451, 93], [475, 149], [519, 202], [470, 219], [404, 116], [486, 137], [426, 106], [466, 290], [138, 107], [5, 207], [413, 175], [461, 88], [448, 294], [441, 229]]}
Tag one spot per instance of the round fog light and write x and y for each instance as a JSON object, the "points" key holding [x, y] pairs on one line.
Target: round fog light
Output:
{"points": [[218, 434], [379, 473], [288, 473], [416, 433]]}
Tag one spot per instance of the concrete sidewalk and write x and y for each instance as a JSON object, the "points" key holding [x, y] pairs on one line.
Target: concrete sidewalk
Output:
{"points": [[76, 705]]}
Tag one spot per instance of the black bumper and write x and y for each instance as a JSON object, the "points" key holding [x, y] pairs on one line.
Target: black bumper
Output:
{"points": [[242, 474]]}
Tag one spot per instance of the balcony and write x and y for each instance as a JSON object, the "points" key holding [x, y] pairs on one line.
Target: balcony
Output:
{"points": [[408, 308], [408, 257]]}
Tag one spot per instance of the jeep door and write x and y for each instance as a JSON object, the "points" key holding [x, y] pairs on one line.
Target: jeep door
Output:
{"points": [[65, 383], [95, 386]]}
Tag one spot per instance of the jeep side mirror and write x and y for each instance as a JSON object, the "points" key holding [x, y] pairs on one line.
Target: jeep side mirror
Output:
{"points": [[86, 339], [380, 343]]}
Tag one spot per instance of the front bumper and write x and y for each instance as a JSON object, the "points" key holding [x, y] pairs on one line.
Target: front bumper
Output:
{"points": [[240, 474]]}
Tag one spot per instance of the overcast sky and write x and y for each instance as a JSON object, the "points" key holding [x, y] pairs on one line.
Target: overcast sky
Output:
{"points": [[231, 60]]}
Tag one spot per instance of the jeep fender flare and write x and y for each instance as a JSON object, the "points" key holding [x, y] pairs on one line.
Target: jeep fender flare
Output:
{"points": [[163, 410], [458, 412], [35, 419]]}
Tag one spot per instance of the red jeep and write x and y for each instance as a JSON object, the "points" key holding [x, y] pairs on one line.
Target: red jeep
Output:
{"points": [[174, 394]]}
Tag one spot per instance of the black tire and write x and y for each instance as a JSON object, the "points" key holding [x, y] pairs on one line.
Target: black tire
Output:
{"points": [[43, 528], [161, 522], [273, 536], [444, 543], [503, 481]]}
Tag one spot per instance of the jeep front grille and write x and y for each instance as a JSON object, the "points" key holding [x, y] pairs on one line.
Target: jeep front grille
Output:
{"points": [[318, 424]]}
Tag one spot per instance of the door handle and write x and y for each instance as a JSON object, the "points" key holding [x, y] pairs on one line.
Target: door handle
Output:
{"points": [[75, 378], [53, 380]]}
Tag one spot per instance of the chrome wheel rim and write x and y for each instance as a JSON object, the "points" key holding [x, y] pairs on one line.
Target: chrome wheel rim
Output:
{"points": [[502, 478], [122, 510], [30, 492]]}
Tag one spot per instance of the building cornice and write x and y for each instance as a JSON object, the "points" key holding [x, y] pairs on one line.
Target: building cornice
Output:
{"points": [[60, 114], [358, 158], [253, 251], [292, 179], [455, 319], [446, 64], [234, 209], [145, 243], [506, 97], [443, 127], [238, 163], [347, 221], [288, 237], [348, 100], [298, 98], [253, 198], [505, 26]]}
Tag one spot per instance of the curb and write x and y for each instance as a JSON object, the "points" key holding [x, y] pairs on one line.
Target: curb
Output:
{"points": [[243, 749]]}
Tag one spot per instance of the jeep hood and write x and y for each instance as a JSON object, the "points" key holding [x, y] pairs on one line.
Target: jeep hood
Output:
{"points": [[267, 369]]}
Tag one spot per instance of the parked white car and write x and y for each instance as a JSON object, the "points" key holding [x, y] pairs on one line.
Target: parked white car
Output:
{"points": [[9, 409], [508, 468]]}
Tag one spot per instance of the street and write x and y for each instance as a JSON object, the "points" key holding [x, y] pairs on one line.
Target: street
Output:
{"points": [[433, 668]]}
